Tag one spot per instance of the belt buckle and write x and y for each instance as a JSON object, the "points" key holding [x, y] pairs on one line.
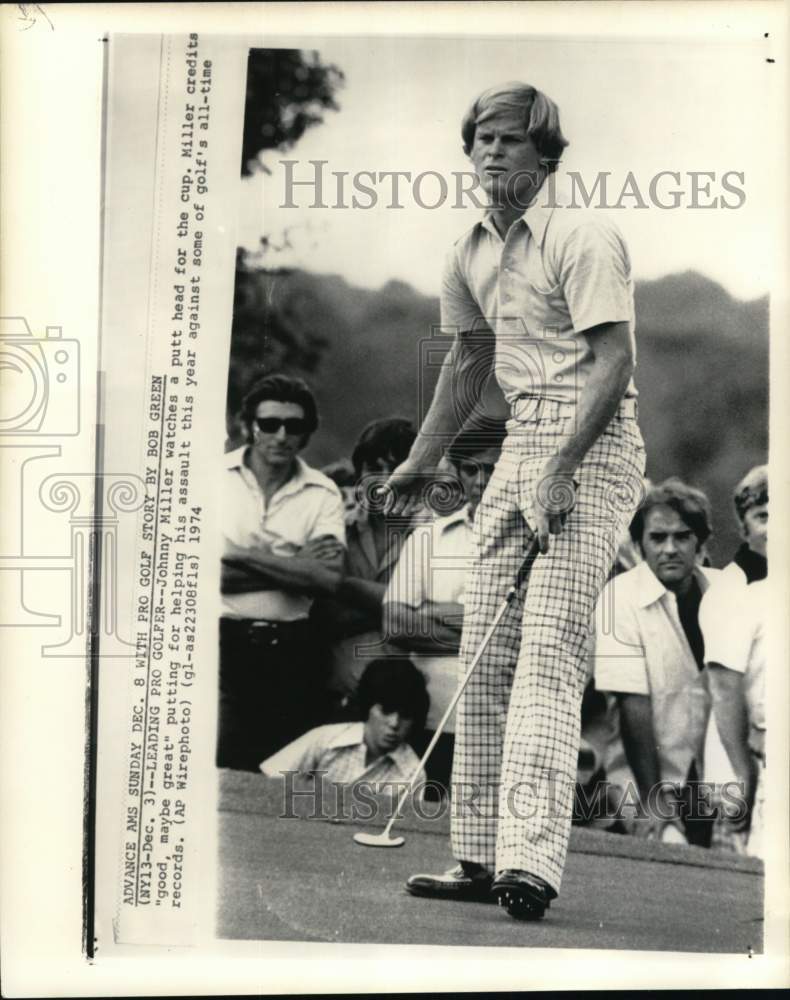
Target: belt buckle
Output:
{"points": [[263, 632]]}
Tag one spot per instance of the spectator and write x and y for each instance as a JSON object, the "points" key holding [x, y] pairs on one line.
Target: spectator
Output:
{"points": [[349, 620], [649, 657], [595, 715], [284, 537], [732, 620], [423, 606], [751, 507], [342, 475], [736, 665], [392, 700]]}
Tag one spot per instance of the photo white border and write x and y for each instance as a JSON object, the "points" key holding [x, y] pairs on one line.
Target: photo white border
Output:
{"points": [[51, 85]]}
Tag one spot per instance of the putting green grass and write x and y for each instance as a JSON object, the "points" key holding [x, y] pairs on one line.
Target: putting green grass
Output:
{"points": [[297, 879]]}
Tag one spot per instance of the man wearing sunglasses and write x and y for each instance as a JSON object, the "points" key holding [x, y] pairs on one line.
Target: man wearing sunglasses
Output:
{"points": [[284, 540]]}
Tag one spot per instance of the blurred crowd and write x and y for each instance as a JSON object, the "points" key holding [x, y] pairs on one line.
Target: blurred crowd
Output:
{"points": [[342, 616]]}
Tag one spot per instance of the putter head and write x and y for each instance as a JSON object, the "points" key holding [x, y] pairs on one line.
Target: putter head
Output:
{"points": [[378, 840]]}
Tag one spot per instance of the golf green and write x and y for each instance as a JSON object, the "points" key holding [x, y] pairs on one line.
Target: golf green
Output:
{"points": [[300, 879]]}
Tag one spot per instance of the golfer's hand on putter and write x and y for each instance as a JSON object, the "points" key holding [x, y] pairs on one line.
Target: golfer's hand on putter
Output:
{"points": [[555, 498], [404, 486]]}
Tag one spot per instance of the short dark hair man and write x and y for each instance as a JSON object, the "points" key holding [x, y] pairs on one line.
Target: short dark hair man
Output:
{"points": [[649, 655], [391, 701], [283, 527]]}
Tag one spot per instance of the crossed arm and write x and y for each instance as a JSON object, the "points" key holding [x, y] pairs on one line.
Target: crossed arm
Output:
{"points": [[317, 568], [432, 627]]}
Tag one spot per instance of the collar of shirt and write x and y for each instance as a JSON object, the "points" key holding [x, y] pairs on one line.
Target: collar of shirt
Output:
{"points": [[357, 517], [752, 563], [461, 516], [303, 475], [358, 528], [354, 735], [650, 589], [536, 217]]}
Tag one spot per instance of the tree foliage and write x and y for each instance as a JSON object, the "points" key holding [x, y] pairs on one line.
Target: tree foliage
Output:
{"points": [[288, 91], [702, 371]]}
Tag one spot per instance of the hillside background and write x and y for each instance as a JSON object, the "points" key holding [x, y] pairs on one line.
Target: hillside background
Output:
{"points": [[702, 368]]}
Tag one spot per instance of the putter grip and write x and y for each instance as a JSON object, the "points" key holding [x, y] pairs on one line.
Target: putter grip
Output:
{"points": [[526, 565]]}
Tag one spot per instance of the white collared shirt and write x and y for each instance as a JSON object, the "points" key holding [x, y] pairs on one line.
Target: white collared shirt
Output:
{"points": [[432, 567], [732, 619], [308, 505], [559, 271], [340, 750], [641, 648]]}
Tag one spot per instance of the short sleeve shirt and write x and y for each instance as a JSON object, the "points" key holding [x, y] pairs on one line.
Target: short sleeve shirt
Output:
{"points": [[641, 648], [339, 749], [432, 567], [560, 270], [307, 506], [732, 621]]}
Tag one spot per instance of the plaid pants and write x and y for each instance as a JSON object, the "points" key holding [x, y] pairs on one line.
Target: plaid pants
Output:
{"points": [[518, 722]]}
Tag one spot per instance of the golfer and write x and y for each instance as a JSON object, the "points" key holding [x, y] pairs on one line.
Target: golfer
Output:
{"points": [[543, 294]]}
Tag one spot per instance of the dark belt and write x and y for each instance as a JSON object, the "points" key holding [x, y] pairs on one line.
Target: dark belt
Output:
{"points": [[263, 632]]}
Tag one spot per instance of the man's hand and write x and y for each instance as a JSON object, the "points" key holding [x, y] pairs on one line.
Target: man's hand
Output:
{"points": [[738, 814], [555, 498], [449, 613], [327, 548], [404, 487], [433, 627], [665, 812], [652, 828]]}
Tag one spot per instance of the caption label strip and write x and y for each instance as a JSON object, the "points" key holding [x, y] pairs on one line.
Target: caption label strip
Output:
{"points": [[161, 811]]}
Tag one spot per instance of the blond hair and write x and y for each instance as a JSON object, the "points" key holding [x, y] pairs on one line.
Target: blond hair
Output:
{"points": [[541, 118]]}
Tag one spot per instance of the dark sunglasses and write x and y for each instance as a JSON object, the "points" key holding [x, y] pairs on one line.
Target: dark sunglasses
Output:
{"points": [[292, 425], [474, 468]]}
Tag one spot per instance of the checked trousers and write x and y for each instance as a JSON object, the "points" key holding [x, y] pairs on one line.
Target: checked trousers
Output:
{"points": [[518, 722]]}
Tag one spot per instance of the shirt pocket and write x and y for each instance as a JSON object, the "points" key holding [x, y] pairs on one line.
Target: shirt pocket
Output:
{"points": [[540, 278], [545, 310]]}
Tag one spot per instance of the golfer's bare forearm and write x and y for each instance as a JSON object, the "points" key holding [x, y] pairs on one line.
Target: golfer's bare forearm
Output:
{"points": [[639, 741], [600, 397], [445, 414]]}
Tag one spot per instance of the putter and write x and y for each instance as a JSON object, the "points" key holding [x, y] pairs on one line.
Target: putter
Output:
{"points": [[384, 839]]}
